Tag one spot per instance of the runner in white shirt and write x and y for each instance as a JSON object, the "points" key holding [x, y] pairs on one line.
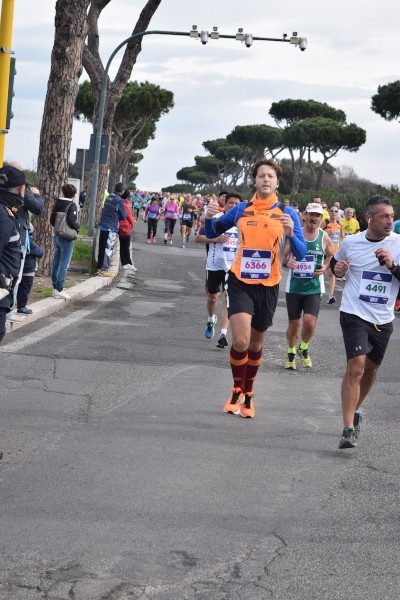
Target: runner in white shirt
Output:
{"points": [[221, 252], [370, 260]]}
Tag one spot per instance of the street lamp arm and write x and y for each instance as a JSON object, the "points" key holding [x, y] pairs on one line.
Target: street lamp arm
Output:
{"points": [[100, 119], [134, 36]]}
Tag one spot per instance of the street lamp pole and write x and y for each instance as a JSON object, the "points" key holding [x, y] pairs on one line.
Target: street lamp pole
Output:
{"points": [[247, 38], [100, 119]]}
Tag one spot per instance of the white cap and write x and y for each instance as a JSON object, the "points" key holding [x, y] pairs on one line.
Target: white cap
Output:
{"points": [[315, 208]]}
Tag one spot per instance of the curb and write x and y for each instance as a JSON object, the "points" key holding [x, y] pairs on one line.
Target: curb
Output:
{"points": [[49, 306]]}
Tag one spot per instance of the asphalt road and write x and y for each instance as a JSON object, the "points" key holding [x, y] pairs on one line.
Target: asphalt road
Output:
{"points": [[123, 478]]}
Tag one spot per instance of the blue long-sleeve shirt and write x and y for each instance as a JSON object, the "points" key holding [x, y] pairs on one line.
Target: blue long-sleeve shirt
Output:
{"points": [[260, 234]]}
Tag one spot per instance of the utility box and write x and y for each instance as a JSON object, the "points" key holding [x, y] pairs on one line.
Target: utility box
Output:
{"points": [[77, 184]]}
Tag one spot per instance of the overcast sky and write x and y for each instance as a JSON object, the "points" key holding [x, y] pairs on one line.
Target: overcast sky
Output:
{"points": [[353, 47]]}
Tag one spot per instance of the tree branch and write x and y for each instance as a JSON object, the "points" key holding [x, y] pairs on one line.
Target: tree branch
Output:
{"points": [[133, 49]]}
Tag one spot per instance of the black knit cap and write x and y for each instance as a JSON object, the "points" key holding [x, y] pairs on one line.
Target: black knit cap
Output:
{"points": [[10, 177]]}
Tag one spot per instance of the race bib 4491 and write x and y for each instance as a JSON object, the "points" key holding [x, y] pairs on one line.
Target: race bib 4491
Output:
{"points": [[375, 287]]}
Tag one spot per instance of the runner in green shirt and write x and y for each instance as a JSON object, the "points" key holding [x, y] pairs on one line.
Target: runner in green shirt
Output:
{"points": [[305, 284]]}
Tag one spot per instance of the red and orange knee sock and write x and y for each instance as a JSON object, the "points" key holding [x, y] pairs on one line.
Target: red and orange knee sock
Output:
{"points": [[238, 361], [253, 363], [244, 367]]}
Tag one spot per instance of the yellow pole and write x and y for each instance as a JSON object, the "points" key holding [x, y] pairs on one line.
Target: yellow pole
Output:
{"points": [[6, 25]]}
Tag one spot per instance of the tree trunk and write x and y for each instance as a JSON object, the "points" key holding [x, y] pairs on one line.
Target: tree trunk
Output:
{"points": [[120, 166], [321, 173], [58, 114], [297, 166], [311, 169], [121, 151]]}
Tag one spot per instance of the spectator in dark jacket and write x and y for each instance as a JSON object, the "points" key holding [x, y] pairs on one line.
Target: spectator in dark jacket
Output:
{"points": [[33, 203], [12, 190], [113, 212], [63, 248], [82, 197], [28, 275]]}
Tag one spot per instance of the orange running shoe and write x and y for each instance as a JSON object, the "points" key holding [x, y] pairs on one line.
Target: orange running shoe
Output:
{"points": [[247, 408], [232, 405]]}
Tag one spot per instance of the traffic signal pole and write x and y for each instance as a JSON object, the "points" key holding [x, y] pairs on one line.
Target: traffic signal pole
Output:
{"points": [[6, 25]]}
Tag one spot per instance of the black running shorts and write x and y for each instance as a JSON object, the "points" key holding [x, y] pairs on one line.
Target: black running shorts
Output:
{"points": [[188, 223], [215, 281], [361, 337], [254, 299], [297, 304]]}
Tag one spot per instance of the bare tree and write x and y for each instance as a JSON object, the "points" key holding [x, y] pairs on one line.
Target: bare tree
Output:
{"points": [[58, 114]]}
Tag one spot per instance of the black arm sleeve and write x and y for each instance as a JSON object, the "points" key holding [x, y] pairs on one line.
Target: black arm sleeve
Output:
{"points": [[396, 273], [332, 264], [72, 215]]}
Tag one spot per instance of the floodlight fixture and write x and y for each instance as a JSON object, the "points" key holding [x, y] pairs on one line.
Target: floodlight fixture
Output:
{"points": [[204, 37], [240, 35], [303, 44], [248, 39], [214, 35]]}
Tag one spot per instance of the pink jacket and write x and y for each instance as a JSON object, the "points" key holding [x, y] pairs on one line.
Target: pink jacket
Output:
{"points": [[171, 210]]}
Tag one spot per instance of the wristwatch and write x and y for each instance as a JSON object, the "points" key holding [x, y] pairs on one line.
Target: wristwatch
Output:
{"points": [[393, 267]]}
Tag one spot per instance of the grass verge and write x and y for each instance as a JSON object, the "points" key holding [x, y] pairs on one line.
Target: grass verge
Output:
{"points": [[82, 252]]}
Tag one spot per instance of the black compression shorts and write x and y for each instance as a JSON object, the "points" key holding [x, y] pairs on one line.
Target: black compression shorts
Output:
{"points": [[297, 304]]}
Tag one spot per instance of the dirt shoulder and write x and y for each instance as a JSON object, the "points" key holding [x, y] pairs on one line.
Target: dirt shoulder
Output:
{"points": [[42, 287]]}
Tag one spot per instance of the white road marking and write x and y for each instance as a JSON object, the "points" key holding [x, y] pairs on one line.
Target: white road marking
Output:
{"points": [[57, 326]]}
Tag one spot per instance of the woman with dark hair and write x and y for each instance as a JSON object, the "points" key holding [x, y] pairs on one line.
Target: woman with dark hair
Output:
{"points": [[63, 248], [151, 216]]}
